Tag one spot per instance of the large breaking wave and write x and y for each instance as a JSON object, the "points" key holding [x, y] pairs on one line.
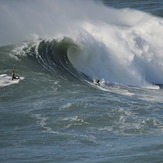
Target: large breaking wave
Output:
{"points": [[121, 46]]}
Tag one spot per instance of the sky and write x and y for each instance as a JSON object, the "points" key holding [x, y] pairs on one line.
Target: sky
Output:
{"points": [[22, 19]]}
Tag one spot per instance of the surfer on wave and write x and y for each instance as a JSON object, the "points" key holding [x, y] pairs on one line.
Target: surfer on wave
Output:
{"points": [[97, 81]]}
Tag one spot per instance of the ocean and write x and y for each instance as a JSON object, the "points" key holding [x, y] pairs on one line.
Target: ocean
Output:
{"points": [[54, 112]]}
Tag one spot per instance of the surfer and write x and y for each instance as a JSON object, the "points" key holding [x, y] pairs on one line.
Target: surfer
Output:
{"points": [[13, 76], [97, 81]]}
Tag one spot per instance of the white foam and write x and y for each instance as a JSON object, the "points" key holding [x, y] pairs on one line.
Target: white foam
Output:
{"points": [[65, 106], [124, 52], [42, 122], [73, 121]]}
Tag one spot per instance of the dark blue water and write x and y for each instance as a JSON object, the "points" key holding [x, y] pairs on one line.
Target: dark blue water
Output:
{"points": [[54, 112]]}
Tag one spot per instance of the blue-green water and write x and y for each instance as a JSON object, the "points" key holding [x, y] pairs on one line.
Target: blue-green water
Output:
{"points": [[55, 113]]}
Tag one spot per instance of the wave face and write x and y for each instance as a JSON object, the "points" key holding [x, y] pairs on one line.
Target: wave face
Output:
{"points": [[121, 46], [52, 55]]}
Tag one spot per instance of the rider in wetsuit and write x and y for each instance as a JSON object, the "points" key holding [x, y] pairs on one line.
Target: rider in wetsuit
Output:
{"points": [[13, 75]]}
